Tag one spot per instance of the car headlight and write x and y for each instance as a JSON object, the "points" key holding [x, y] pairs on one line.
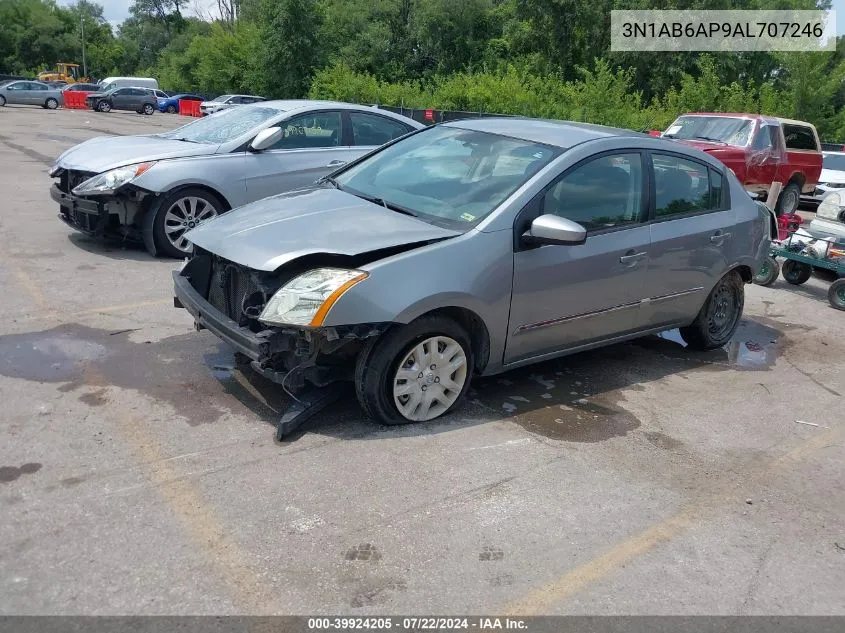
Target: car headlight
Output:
{"points": [[306, 299], [108, 181], [830, 206], [55, 169]]}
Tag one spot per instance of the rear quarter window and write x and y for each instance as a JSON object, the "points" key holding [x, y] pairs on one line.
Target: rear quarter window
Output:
{"points": [[799, 137]]}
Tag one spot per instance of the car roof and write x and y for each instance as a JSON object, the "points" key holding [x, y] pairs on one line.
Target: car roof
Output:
{"points": [[563, 134]]}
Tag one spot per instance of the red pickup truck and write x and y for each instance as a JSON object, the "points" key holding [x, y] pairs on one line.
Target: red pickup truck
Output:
{"points": [[759, 149]]}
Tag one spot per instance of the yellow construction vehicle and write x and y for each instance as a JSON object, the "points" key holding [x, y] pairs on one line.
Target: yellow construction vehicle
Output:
{"points": [[64, 72]]}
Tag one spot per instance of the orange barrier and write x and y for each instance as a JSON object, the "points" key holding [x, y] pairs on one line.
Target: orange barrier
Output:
{"points": [[189, 108], [75, 100]]}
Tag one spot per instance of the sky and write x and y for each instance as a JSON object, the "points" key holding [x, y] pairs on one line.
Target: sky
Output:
{"points": [[115, 11]]}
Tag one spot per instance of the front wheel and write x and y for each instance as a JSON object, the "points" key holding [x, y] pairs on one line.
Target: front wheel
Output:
{"points": [[171, 109], [415, 372], [104, 106], [836, 294], [719, 316], [179, 212], [51, 104], [2, 101]]}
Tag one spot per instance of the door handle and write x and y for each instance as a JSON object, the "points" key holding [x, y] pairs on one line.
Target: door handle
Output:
{"points": [[631, 257], [336, 163], [719, 237]]}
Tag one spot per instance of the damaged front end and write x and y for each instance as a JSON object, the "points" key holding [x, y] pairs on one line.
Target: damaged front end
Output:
{"points": [[115, 215], [227, 299]]}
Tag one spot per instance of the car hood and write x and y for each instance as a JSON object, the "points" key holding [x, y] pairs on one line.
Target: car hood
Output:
{"points": [[96, 95], [271, 232], [107, 152], [832, 175]]}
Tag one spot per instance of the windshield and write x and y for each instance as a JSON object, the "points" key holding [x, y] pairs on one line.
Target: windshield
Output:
{"points": [[223, 126], [836, 162], [221, 98], [730, 130], [446, 173]]}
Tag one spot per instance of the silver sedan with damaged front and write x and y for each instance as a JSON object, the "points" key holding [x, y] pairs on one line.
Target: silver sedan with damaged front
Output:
{"points": [[155, 188], [475, 247]]}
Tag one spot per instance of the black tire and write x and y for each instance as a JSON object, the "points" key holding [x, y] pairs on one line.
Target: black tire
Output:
{"points": [[719, 316], [788, 199], [2, 101], [378, 362], [768, 272], [836, 294], [171, 109], [148, 109], [796, 273], [103, 106], [51, 103], [163, 204]]}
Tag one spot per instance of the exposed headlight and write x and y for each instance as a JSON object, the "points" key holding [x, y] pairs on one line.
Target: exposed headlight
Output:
{"points": [[830, 206], [306, 300], [108, 181], [55, 169]]}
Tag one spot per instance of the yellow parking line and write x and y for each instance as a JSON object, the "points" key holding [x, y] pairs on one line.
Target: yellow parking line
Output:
{"points": [[249, 593], [541, 599], [101, 310]]}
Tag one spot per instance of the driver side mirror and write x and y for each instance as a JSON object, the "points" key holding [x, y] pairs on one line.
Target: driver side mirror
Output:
{"points": [[553, 229], [266, 138]]}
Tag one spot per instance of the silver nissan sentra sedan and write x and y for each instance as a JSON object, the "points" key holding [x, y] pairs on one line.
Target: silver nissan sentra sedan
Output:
{"points": [[154, 188], [474, 247]]}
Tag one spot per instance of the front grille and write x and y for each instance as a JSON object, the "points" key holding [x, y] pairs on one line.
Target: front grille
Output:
{"points": [[230, 286], [71, 178]]}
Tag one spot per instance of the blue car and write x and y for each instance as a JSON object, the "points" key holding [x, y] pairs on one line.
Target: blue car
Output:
{"points": [[171, 104]]}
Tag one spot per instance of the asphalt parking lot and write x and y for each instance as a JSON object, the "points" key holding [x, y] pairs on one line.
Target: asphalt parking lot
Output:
{"points": [[139, 475]]}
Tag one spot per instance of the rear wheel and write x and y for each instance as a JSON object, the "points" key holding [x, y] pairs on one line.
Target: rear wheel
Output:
{"points": [[768, 272], [719, 316], [796, 273], [2, 100], [415, 372], [179, 212], [148, 109], [788, 200], [836, 294], [171, 109], [51, 104], [104, 106]]}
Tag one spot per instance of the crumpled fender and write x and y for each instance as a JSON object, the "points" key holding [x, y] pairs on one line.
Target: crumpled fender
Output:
{"points": [[147, 228]]}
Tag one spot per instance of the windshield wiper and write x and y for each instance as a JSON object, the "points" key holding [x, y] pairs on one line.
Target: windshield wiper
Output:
{"points": [[387, 205], [711, 139], [186, 140]]}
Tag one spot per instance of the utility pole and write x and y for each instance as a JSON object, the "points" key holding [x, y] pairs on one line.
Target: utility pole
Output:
{"points": [[84, 63]]}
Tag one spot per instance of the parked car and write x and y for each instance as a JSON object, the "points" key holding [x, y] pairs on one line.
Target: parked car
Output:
{"points": [[223, 102], [81, 88], [128, 82], [759, 149], [829, 222], [832, 177], [160, 95], [30, 93], [140, 100], [155, 187], [474, 247], [171, 104]]}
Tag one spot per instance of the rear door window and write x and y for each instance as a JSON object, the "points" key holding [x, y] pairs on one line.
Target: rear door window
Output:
{"points": [[683, 186], [372, 129], [799, 137]]}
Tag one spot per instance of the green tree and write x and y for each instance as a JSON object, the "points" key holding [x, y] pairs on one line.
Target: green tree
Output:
{"points": [[290, 48]]}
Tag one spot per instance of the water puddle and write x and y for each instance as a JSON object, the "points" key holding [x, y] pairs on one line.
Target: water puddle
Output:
{"points": [[192, 372], [580, 398]]}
